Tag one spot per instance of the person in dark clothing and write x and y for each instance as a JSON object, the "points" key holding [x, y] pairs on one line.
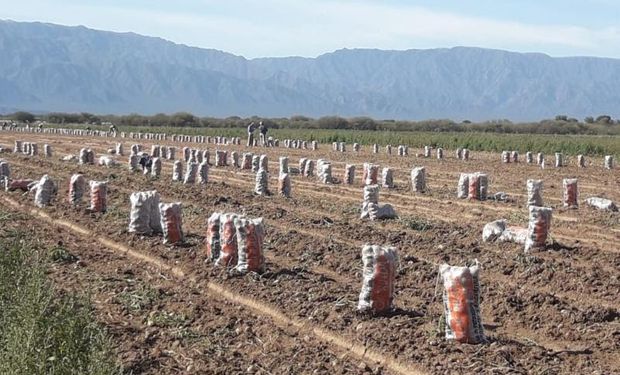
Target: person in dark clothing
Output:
{"points": [[146, 162], [262, 128], [251, 129]]}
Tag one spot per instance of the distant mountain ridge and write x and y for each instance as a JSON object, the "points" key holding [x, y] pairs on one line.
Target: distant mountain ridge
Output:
{"points": [[49, 67]]}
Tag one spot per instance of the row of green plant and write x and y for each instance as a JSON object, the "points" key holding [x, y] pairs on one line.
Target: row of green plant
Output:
{"points": [[44, 331], [475, 141]]}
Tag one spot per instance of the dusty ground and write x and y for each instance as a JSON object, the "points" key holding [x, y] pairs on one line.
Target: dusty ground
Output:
{"points": [[549, 312]]}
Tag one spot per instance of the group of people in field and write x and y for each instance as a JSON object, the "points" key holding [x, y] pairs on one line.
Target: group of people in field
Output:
{"points": [[262, 132]]}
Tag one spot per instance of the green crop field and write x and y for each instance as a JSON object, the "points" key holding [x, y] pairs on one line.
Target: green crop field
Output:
{"points": [[475, 141]]}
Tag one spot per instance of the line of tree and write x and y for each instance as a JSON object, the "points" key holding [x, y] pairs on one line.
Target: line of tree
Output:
{"points": [[561, 124]]}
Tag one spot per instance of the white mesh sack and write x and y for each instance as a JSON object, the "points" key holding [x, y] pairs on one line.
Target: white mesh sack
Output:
{"points": [[263, 163], [250, 237], [372, 174], [581, 161], [529, 157], [234, 157], [262, 183], [609, 162], [228, 241], [5, 170], [538, 228], [309, 169], [349, 174], [283, 164], [45, 189], [83, 156], [534, 192], [559, 160], [177, 171], [107, 161], [418, 179], [155, 151], [190, 175], [77, 185], [134, 163], [371, 193], [284, 185], [156, 168], [461, 300], [602, 203], [302, 165], [144, 217], [212, 240], [172, 153], [387, 178], [506, 156], [570, 196], [247, 161], [378, 279], [98, 196], [171, 223], [255, 163], [203, 173]]}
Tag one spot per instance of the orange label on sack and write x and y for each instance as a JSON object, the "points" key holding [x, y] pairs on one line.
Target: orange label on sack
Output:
{"points": [[254, 243], [571, 195], [98, 200], [458, 295], [383, 284], [212, 229], [373, 174], [474, 187], [229, 244], [540, 230], [172, 227]]}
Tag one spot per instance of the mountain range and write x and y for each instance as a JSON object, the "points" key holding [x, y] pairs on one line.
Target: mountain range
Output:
{"points": [[47, 67]]}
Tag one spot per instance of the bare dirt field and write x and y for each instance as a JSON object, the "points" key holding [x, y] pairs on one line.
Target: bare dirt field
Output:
{"points": [[170, 311]]}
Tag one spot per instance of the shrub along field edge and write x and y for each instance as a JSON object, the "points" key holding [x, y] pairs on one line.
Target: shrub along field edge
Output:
{"points": [[42, 330]]}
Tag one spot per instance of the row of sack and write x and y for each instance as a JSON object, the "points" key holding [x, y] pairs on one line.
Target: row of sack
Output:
{"points": [[232, 240]]}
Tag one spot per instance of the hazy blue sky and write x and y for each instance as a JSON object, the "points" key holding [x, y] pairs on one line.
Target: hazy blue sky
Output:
{"points": [[255, 28]]}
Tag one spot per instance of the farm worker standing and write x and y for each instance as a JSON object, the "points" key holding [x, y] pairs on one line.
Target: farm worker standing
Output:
{"points": [[263, 133], [251, 129]]}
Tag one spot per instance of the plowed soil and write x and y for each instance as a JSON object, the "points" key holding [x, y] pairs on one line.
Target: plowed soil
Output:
{"points": [[552, 312]]}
